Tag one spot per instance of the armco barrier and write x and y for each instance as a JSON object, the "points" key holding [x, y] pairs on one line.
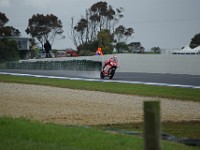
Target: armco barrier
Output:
{"points": [[76, 65]]}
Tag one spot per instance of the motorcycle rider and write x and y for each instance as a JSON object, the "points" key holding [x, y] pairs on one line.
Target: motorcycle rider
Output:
{"points": [[109, 62]]}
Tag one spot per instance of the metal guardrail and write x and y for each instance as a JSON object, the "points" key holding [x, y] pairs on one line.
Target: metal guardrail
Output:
{"points": [[77, 65]]}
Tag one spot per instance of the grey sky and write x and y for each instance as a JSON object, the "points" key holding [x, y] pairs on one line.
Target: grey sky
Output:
{"points": [[163, 23]]}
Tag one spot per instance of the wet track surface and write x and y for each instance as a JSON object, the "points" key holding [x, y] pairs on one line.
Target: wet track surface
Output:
{"points": [[179, 79], [160, 78]]}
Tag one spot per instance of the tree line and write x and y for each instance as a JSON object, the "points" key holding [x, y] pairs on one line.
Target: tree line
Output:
{"points": [[98, 27]]}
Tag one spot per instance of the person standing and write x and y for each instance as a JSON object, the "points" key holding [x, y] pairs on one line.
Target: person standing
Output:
{"points": [[99, 51], [47, 47]]}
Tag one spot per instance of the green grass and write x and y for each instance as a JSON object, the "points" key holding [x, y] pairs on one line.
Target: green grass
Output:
{"points": [[184, 129], [188, 94], [21, 134]]}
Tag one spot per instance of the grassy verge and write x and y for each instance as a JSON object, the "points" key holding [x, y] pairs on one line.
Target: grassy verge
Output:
{"points": [[21, 134], [185, 129], [121, 88]]}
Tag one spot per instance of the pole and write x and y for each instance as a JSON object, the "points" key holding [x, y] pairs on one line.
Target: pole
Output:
{"points": [[152, 127]]}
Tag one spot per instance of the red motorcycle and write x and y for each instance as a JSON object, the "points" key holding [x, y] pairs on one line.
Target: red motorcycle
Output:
{"points": [[109, 69]]}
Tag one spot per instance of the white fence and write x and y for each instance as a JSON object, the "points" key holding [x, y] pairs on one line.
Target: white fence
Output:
{"points": [[149, 63], [174, 64]]}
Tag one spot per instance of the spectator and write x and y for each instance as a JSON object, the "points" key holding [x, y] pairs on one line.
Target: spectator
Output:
{"points": [[47, 47], [99, 51]]}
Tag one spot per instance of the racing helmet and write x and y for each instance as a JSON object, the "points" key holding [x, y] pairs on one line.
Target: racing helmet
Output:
{"points": [[115, 58]]}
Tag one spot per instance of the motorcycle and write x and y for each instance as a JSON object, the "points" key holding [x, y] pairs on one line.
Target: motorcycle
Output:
{"points": [[112, 66]]}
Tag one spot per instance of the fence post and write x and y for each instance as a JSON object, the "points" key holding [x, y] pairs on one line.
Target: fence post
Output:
{"points": [[152, 127]]}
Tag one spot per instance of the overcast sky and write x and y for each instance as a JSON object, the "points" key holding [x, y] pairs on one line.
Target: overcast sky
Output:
{"points": [[163, 23]]}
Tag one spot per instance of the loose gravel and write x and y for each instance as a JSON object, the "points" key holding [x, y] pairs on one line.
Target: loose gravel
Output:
{"points": [[79, 107]]}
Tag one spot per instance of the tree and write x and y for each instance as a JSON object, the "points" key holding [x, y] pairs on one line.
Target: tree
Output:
{"points": [[100, 16], [104, 41], [8, 50], [123, 33], [155, 49], [7, 30], [120, 46], [44, 27], [128, 33], [3, 19], [195, 41], [119, 33], [135, 47], [81, 30]]}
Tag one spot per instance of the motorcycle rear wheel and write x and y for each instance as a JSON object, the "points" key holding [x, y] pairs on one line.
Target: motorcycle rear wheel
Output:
{"points": [[112, 73], [102, 75]]}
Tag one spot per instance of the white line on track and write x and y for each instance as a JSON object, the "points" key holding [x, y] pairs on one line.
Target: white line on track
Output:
{"points": [[101, 80]]}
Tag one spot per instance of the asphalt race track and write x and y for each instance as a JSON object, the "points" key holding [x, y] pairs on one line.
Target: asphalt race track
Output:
{"points": [[160, 78], [179, 80]]}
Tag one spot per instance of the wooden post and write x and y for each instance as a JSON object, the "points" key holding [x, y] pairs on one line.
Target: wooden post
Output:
{"points": [[152, 127]]}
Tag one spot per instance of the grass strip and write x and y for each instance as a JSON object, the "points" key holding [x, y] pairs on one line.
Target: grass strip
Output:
{"points": [[187, 94], [21, 134], [184, 129]]}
